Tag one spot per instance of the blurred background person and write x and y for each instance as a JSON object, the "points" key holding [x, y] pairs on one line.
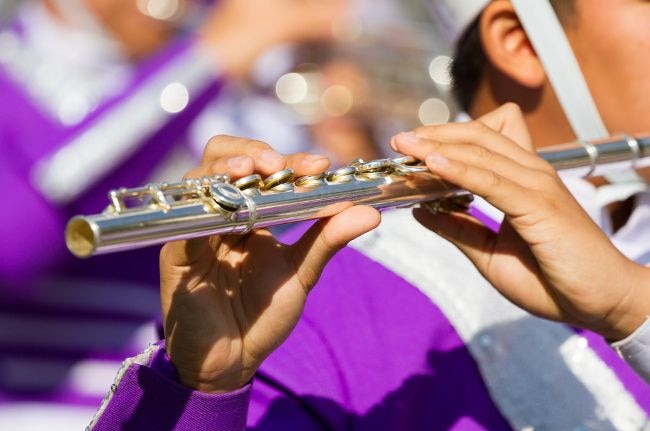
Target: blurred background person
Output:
{"points": [[100, 94], [386, 72], [103, 94]]}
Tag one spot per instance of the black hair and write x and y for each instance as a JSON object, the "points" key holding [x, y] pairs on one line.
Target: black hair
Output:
{"points": [[470, 59]]}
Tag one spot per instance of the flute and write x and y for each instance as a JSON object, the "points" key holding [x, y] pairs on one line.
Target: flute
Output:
{"points": [[158, 213]]}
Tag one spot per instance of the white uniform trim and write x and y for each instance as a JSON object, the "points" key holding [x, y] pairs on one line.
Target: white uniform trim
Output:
{"points": [[541, 374], [74, 168], [143, 358], [635, 349]]}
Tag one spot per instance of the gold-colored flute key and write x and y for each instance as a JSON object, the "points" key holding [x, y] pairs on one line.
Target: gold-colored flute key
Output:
{"points": [[164, 212]]}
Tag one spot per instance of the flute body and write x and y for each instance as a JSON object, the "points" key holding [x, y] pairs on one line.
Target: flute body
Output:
{"points": [[164, 212]]}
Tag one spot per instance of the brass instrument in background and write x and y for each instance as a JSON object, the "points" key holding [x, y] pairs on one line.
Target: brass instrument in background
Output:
{"points": [[159, 213]]}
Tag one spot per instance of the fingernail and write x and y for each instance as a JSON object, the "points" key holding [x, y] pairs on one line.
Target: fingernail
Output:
{"points": [[408, 138], [393, 144], [237, 162], [270, 156], [436, 160], [315, 157]]}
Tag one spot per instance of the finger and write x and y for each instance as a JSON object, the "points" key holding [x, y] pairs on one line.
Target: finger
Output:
{"points": [[475, 133], [511, 269], [312, 252], [516, 197], [509, 121], [471, 237], [475, 156], [182, 253], [478, 133], [241, 166], [307, 164], [235, 167], [267, 161]]}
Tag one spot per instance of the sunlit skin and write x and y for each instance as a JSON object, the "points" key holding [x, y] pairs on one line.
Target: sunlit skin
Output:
{"points": [[543, 258], [611, 40], [229, 301], [546, 245]]}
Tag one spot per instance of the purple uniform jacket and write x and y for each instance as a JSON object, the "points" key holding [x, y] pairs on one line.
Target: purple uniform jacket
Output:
{"points": [[31, 226], [57, 311], [370, 353]]}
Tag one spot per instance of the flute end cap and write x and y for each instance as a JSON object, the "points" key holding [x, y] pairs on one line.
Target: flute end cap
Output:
{"points": [[79, 237]]}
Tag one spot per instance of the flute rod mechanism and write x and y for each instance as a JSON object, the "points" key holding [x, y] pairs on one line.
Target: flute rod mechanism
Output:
{"points": [[598, 157], [159, 213]]}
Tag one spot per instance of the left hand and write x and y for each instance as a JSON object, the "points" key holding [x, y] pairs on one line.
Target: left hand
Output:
{"points": [[228, 301]]}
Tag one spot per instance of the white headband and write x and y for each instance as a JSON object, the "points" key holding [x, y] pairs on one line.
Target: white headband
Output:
{"points": [[454, 16]]}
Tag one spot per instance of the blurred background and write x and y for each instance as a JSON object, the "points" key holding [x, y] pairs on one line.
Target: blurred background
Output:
{"points": [[100, 94]]}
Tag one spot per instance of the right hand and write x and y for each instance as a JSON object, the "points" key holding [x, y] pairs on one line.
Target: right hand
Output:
{"points": [[240, 31], [229, 301], [549, 257]]}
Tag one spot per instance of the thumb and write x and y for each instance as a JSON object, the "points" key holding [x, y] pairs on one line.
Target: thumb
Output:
{"points": [[509, 121], [183, 253], [471, 237], [323, 240]]}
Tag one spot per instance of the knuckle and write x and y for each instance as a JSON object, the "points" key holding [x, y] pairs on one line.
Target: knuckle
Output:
{"points": [[493, 180], [482, 153], [216, 141], [215, 146], [426, 131], [255, 148], [476, 127], [550, 180], [512, 109], [548, 169], [475, 131]]}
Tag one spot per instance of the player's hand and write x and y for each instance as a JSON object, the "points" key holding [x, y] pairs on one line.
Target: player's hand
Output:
{"points": [[229, 301], [549, 257]]}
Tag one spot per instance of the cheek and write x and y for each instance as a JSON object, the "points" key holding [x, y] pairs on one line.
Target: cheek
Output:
{"points": [[615, 65], [623, 93]]}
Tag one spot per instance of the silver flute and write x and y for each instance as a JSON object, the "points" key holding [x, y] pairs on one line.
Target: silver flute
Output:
{"points": [[158, 213]]}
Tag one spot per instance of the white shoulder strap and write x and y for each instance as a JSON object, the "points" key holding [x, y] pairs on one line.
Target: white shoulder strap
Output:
{"points": [[552, 46]]}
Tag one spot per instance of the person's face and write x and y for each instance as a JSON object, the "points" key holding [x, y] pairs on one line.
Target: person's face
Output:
{"points": [[611, 40]]}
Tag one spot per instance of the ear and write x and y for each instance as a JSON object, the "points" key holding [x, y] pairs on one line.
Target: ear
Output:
{"points": [[507, 46]]}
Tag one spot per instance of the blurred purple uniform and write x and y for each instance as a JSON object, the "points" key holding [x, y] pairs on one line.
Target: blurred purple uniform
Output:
{"points": [[66, 139]]}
